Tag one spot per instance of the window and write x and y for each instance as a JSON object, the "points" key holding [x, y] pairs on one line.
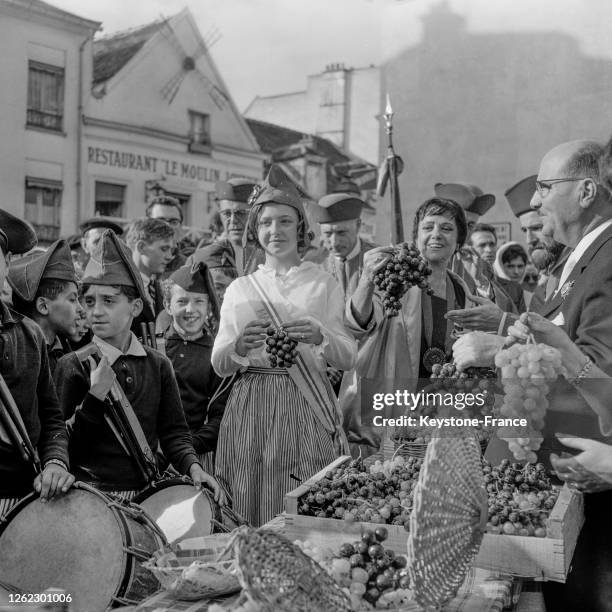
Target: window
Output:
{"points": [[42, 207], [199, 132], [45, 96], [109, 199]]}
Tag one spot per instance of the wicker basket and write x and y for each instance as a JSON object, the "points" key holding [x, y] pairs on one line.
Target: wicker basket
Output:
{"points": [[198, 580], [409, 448]]}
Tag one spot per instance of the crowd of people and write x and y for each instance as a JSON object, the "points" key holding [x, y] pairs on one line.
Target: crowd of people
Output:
{"points": [[191, 339]]}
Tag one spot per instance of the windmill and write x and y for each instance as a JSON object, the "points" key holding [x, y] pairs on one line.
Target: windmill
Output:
{"points": [[189, 65]]}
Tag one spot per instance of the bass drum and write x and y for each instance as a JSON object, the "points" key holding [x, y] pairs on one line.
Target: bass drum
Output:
{"points": [[84, 543], [179, 509]]}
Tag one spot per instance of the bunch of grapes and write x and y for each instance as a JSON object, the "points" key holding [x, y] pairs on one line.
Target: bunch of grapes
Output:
{"points": [[405, 269], [281, 348], [447, 378], [525, 370], [520, 498]]}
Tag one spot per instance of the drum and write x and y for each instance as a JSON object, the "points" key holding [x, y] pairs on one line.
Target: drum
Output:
{"points": [[180, 510], [84, 543]]}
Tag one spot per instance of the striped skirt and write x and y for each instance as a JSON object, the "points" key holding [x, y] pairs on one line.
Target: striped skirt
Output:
{"points": [[268, 441]]}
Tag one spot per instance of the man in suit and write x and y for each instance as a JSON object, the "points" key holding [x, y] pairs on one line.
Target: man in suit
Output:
{"points": [[338, 215], [576, 210]]}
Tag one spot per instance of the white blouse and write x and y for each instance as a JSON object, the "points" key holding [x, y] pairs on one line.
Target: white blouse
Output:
{"points": [[305, 292]]}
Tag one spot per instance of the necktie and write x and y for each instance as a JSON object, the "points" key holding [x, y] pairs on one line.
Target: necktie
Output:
{"points": [[343, 275], [152, 292]]}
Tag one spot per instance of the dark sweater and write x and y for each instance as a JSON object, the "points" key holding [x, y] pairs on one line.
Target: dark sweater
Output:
{"points": [[197, 383], [25, 367], [150, 386]]}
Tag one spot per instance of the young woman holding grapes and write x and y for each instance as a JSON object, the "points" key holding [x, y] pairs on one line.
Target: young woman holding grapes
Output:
{"points": [[281, 424]]}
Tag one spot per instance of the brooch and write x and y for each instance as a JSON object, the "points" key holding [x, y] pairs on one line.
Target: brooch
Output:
{"points": [[566, 289]]}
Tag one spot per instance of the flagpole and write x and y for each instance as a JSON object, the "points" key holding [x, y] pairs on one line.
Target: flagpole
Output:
{"points": [[393, 168]]}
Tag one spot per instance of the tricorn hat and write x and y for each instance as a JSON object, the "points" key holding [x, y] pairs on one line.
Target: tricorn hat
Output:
{"points": [[469, 197], [16, 236], [112, 264], [100, 221], [519, 195], [26, 273], [197, 279], [338, 207]]}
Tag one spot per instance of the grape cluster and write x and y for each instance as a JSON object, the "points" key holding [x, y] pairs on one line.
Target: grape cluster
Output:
{"points": [[520, 498], [381, 495], [281, 348], [405, 269], [372, 573], [525, 370], [446, 378]]}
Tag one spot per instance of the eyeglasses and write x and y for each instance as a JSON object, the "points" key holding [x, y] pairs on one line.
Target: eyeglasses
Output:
{"points": [[173, 221], [543, 187], [237, 214], [531, 278]]}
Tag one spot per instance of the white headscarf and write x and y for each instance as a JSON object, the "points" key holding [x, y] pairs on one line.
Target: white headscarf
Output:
{"points": [[498, 266]]}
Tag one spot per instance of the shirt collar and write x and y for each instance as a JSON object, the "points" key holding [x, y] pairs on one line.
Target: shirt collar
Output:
{"points": [[304, 265], [354, 253], [173, 334], [145, 279], [57, 345], [112, 354]]}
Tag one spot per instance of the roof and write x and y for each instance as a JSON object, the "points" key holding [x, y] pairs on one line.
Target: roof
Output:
{"points": [[113, 52], [283, 144], [273, 137], [43, 9]]}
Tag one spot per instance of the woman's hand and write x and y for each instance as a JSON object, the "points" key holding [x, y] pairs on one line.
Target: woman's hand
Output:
{"points": [[253, 336], [476, 349], [590, 470], [304, 330], [373, 261]]}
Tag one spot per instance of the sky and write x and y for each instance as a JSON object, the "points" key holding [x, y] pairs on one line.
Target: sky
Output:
{"points": [[267, 47]]}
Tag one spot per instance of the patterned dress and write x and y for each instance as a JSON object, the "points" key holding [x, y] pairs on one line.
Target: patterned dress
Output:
{"points": [[270, 437]]}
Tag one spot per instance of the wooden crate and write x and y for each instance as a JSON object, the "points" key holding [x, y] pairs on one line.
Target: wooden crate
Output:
{"points": [[330, 533], [546, 558]]}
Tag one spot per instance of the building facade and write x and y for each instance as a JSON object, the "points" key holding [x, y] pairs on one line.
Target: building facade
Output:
{"points": [[340, 104], [160, 118], [46, 69], [99, 126]]}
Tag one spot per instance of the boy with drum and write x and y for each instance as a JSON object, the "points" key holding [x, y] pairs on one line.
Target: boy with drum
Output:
{"points": [[45, 289], [114, 294], [24, 366], [190, 300]]}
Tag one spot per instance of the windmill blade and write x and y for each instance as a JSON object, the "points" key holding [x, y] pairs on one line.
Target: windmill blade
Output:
{"points": [[170, 89], [217, 95], [169, 34]]}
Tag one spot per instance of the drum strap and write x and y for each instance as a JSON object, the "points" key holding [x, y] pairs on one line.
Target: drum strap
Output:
{"points": [[13, 428]]}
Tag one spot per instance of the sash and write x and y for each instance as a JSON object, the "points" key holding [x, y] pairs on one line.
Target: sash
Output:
{"points": [[315, 388]]}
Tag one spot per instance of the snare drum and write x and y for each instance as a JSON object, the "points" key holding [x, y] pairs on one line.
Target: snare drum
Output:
{"points": [[82, 542], [180, 510]]}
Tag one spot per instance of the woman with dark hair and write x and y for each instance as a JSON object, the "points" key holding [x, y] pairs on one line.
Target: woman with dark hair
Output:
{"points": [[510, 263], [439, 230], [281, 424]]}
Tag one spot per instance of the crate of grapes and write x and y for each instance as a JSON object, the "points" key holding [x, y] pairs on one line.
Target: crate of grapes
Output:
{"points": [[542, 550], [345, 499]]}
